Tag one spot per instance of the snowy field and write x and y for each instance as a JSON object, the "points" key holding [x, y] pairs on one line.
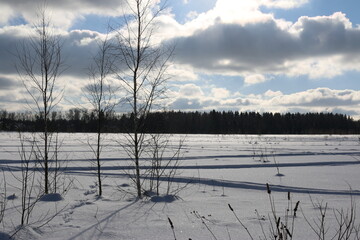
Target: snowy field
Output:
{"points": [[215, 170]]}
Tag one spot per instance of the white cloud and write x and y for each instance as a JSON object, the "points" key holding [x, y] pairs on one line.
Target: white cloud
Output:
{"points": [[235, 12], [191, 15], [320, 97], [312, 100], [190, 90], [254, 79], [220, 93], [6, 13], [241, 12], [271, 94], [182, 73], [11, 92]]}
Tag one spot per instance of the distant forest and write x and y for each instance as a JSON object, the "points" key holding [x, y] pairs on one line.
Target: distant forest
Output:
{"points": [[213, 122]]}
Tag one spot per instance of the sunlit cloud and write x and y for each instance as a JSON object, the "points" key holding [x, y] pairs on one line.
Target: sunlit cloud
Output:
{"points": [[254, 79]]}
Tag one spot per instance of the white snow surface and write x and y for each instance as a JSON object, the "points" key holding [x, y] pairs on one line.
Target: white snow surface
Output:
{"points": [[215, 170]]}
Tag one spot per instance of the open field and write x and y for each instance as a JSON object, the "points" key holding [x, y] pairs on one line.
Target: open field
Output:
{"points": [[215, 170]]}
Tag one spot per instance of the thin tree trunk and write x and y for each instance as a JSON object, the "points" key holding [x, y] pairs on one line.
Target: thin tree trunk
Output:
{"points": [[98, 152], [136, 122], [46, 155], [57, 167], [45, 59], [136, 144]]}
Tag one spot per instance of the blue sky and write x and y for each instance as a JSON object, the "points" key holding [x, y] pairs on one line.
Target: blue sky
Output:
{"points": [[243, 55]]}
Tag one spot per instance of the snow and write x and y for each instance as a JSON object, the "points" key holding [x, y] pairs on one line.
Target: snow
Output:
{"points": [[216, 170]]}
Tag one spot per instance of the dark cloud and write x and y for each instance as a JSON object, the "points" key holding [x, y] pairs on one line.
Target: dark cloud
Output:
{"points": [[265, 46], [328, 36], [187, 104], [78, 47], [248, 45], [331, 102], [7, 53], [242, 102], [64, 4], [345, 111], [63, 12], [7, 83], [7, 98]]}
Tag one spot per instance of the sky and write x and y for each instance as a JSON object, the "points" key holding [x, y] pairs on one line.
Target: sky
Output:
{"points": [[240, 55]]}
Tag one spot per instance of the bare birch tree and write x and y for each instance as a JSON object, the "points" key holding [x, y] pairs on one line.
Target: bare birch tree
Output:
{"points": [[39, 67], [101, 96], [165, 160], [142, 71], [29, 194]]}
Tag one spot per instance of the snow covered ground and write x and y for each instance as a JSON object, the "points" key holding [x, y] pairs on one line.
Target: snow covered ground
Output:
{"points": [[215, 170]]}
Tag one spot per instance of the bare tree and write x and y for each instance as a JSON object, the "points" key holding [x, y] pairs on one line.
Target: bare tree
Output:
{"points": [[142, 71], [101, 96], [164, 160], [29, 194], [59, 182], [39, 66], [345, 227]]}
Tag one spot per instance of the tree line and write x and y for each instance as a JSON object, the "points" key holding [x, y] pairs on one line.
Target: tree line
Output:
{"points": [[213, 122]]}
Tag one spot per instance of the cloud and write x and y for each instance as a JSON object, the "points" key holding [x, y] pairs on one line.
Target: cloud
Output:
{"points": [[222, 41], [325, 46], [220, 93], [12, 93], [312, 100], [63, 13], [254, 79], [78, 47], [191, 15], [181, 73], [270, 93], [284, 4], [190, 90], [186, 104], [8, 83], [233, 48], [320, 97]]}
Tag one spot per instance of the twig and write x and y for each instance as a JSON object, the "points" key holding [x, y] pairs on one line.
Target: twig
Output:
{"points": [[247, 230]]}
